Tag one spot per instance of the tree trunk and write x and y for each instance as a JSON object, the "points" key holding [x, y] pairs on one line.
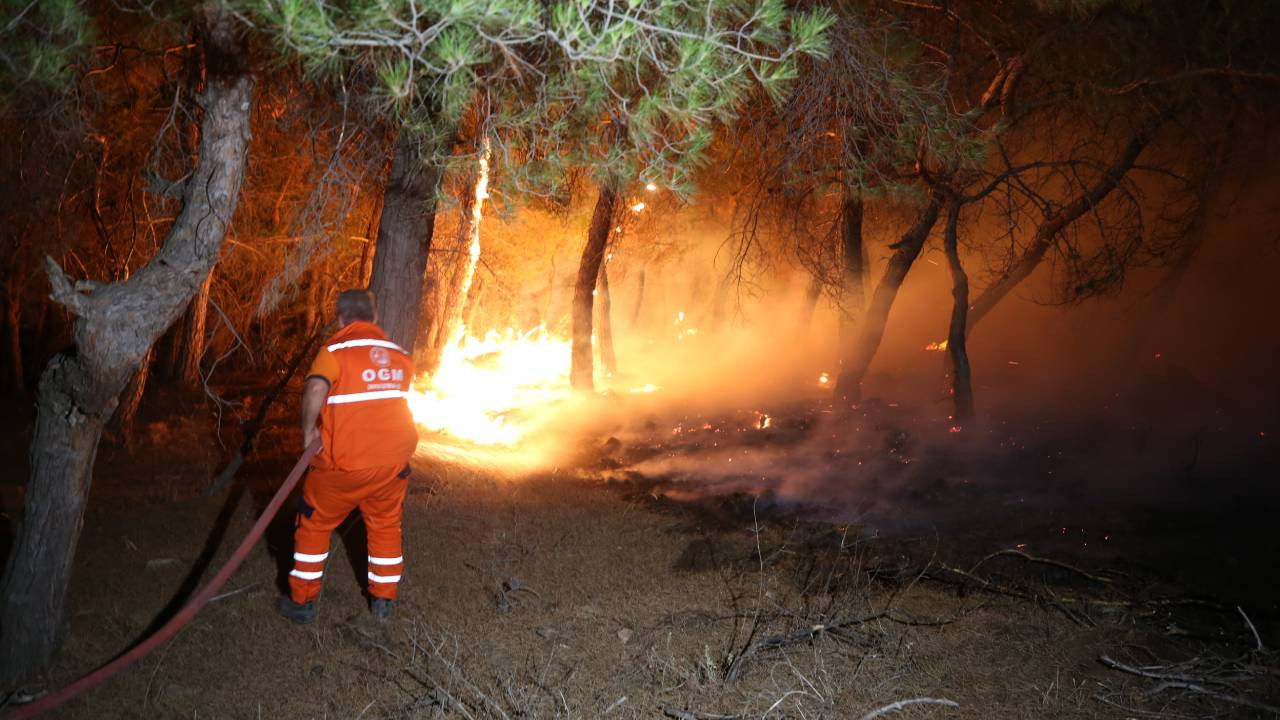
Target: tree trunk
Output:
{"points": [[13, 326], [606, 323], [905, 252], [451, 325], [193, 336], [961, 382], [132, 400], [1047, 234], [115, 325], [635, 311], [581, 369], [853, 269], [404, 235]]}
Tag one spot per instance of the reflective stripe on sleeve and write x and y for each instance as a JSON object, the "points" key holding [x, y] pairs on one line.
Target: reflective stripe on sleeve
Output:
{"points": [[383, 578], [365, 396], [305, 575], [385, 561], [366, 343], [303, 557]]}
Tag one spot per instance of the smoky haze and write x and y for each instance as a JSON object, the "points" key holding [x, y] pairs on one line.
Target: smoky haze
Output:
{"points": [[1135, 400]]}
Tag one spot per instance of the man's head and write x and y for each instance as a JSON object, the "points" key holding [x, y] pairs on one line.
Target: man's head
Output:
{"points": [[356, 305]]}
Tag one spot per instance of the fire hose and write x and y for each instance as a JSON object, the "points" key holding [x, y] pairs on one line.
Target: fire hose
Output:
{"points": [[188, 611]]}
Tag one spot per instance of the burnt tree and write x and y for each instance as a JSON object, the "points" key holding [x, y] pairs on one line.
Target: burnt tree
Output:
{"points": [[115, 325], [905, 252], [961, 380], [405, 230], [581, 364]]}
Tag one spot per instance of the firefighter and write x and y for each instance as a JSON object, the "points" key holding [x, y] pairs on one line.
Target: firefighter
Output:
{"points": [[354, 401]]}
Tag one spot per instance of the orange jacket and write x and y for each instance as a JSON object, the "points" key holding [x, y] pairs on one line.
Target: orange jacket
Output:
{"points": [[365, 422]]}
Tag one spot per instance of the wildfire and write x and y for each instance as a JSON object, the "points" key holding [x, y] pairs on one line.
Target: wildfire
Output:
{"points": [[485, 388], [936, 346]]}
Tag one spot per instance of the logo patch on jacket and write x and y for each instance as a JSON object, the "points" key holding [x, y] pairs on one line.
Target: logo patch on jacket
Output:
{"points": [[380, 356]]}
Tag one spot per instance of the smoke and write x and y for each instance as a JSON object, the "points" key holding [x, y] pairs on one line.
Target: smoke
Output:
{"points": [[1126, 402]]}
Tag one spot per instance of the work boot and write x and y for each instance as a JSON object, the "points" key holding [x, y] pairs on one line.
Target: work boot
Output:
{"points": [[298, 613], [381, 608]]}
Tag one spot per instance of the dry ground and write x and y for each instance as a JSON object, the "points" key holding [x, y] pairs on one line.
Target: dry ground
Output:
{"points": [[565, 596]]}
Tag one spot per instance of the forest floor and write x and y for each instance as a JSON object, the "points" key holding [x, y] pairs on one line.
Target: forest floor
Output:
{"points": [[601, 591]]}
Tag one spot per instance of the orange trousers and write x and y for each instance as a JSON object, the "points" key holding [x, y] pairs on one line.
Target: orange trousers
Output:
{"points": [[328, 496]]}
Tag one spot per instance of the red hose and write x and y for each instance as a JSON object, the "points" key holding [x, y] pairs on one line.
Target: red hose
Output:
{"points": [[48, 702]]}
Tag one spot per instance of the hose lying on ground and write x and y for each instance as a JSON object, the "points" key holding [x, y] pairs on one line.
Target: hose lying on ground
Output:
{"points": [[188, 611]]}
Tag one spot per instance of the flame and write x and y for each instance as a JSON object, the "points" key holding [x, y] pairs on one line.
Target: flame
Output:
{"points": [[637, 207], [936, 346], [650, 187], [824, 378], [487, 389], [763, 421]]}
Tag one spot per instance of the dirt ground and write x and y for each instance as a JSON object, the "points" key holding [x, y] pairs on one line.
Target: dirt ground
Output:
{"points": [[568, 595]]}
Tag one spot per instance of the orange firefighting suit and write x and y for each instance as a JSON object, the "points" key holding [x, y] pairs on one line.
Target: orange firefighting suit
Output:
{"points": [[368, 436]]}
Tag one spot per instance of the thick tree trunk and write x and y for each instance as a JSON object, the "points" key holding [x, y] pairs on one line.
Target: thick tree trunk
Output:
{"points": [[115, 325], [404, 236], [193, 336], [905, 252], [13, 330], [1047, 234], [961, 381], [635, 310], [581, 364], [607, 355]]}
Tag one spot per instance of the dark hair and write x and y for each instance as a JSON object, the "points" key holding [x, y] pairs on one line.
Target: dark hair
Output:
{"points": [[356, 305]]}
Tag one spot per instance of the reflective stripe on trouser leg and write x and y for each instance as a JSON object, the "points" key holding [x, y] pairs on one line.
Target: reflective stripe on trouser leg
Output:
{"points": [[382, 510]]}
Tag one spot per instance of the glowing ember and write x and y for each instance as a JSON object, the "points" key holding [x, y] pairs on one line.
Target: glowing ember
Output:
{"points": [[824, 378], [936, 346], [650, 187], [637, 207], [763, 421]]}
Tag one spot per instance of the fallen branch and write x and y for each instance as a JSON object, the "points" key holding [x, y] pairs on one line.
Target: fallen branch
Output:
{"points": [[1178, 681], [900, 704], [1041, 561]]}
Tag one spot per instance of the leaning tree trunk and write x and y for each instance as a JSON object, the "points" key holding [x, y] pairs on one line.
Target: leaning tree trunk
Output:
{"points": [[404, 235], [581, 368], [1047, 234], [607, 355], [115, 325], [192, 339], [961, 381], [905, 252]]}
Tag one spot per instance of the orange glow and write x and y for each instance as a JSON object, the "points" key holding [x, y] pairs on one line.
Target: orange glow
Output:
{"points": [[824, 378], [936, 346]]}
